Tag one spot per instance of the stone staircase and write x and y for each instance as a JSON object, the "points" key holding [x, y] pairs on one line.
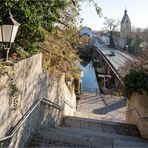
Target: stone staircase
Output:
{"points": [[80, 132], [97, 117]]}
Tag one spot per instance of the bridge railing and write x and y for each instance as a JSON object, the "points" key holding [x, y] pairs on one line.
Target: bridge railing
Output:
{"points": [[110, 65], [95, 91]]}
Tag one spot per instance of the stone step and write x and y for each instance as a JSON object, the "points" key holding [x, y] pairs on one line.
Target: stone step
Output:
{"points": [[88, 115], [36, 144], [97, 117], [87, 138], [100, 125], [39, 142], [129, 144], [70, 137], [89, 133]]}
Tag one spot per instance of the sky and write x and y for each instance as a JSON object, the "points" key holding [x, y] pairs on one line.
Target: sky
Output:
{"points": [[137, 11]]}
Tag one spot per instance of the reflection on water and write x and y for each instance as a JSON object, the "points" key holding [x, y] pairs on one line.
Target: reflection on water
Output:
{"points": [[89, 80]]}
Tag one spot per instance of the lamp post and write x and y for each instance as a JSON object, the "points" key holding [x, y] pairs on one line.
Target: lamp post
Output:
{"points": [[8, 31]]}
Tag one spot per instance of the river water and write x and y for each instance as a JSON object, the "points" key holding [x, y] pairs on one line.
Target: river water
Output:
{"points": [[89, 80]]}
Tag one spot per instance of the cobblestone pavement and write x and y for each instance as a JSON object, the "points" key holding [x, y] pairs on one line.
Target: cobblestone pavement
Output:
{"points": [[102, 107]]}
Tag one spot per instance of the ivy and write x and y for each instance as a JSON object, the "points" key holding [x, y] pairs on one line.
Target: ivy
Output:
{"points": [[136, 81]]}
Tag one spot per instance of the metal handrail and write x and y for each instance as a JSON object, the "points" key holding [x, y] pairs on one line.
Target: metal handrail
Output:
{"points": [[27, 114], [91, 91], [52, 104], [68, 103], [124, 56], [138, 114]]}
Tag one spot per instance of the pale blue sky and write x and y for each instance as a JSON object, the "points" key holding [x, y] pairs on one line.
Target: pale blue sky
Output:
{"points": [[136, 9]]}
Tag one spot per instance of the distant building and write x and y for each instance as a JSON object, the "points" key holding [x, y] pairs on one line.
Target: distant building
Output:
{"points": [[120, 38], [104, 36], [99, 35], [86, 31], [95, 33], [125, 29]]}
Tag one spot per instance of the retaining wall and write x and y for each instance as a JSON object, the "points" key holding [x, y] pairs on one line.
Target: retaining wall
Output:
{"points": [[137, 108], [24, 88]]}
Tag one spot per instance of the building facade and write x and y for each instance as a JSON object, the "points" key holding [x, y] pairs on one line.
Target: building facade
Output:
{"points": [[125, 29]]}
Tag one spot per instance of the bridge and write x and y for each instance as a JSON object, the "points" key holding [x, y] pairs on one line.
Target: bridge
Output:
{"points": [[111, 65]]}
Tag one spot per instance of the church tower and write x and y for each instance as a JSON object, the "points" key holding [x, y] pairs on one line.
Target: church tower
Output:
{"points": [[125, 29]]}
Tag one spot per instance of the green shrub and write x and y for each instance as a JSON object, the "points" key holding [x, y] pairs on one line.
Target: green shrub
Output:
{"points": [[136, 81]]}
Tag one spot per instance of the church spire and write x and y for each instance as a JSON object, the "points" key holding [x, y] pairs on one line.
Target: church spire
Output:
{"points": [[125, 12], [125, 18]]}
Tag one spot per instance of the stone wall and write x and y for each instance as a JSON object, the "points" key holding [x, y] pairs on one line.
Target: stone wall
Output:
{"points": [[140, 103], [20, 91]]}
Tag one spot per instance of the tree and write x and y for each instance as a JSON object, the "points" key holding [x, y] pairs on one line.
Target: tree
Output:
{"points": [[48, 26], [137, 79], [138, 40], [33, 15], [110, 25], [145, 35], [135, 40]]}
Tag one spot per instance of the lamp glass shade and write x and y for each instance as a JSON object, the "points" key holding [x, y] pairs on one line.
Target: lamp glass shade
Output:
{"points": [[9, 33], [9, 29], [14, 32], [0, 33], [6, 33]]}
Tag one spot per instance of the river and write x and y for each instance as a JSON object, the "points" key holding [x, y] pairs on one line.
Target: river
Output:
{"points": [[89, 80]]}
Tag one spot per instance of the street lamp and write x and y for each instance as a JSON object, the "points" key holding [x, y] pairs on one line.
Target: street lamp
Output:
{"points": [[8, 31]]}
